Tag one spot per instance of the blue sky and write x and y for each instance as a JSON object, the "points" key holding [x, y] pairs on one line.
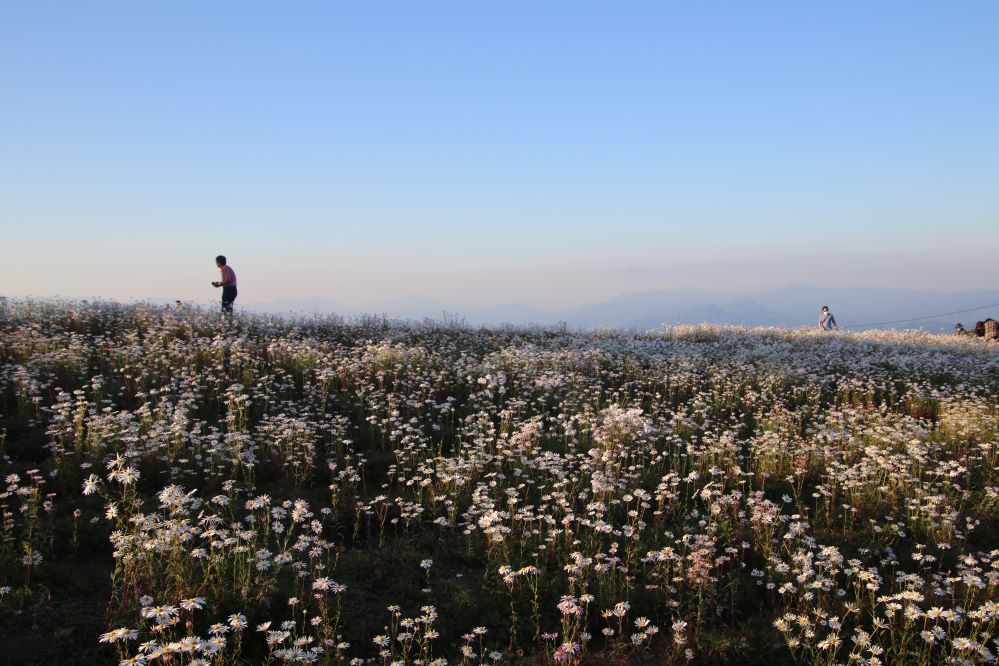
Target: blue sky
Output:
{"points": [[498, 152]]}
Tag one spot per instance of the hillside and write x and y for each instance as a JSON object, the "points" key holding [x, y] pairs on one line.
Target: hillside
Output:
{"points": [[180, 486]]}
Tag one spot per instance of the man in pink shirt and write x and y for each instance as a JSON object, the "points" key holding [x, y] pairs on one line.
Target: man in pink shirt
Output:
{"points": [[228, 283]]}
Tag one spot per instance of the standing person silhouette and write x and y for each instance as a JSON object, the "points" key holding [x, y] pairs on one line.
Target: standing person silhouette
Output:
{"points": [[827, 322], [228, 283]]}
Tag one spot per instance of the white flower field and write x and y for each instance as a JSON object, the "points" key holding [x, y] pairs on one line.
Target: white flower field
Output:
{"points": [[180, 488]]}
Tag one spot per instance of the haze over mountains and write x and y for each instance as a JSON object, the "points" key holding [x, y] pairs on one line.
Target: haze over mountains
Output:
{"points": [[797, 305]]}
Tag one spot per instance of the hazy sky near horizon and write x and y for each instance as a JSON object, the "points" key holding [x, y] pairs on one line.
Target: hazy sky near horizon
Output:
{"points": [[544, 153]]}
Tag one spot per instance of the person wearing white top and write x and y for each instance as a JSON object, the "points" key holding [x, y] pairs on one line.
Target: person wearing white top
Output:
{"points": [[827, 322]]}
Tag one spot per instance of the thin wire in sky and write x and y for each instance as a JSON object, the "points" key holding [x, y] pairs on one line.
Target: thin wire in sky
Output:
{"points": [[933, 316]]}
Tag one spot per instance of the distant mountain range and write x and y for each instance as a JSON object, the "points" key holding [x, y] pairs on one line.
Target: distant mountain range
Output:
{"points": [[798, 305]]}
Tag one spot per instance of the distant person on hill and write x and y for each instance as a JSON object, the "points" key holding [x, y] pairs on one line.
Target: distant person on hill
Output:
{"points": [[228, 283], [979, 329], [991, 329], [959, 329], [827, 322]]}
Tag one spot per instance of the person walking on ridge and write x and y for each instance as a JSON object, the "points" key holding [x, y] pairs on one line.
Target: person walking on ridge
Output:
{"points": [[827, 322], [228, 283]]}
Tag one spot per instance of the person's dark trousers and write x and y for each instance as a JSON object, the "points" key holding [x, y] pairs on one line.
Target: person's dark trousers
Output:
{"points": [[228, 296]]}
